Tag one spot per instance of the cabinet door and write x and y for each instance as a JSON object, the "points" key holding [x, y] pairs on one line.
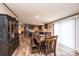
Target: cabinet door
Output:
{"points": [[5, 28], [1, 30], [3, 36]]}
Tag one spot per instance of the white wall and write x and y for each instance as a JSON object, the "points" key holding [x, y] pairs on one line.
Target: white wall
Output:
{"points": [[4, 10]]}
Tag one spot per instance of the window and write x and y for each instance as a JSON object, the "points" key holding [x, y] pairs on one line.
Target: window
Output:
{"points": [[65, 29]]}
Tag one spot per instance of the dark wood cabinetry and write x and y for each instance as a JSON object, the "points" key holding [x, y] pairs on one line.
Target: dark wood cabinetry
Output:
{"points": [[9, 39]]}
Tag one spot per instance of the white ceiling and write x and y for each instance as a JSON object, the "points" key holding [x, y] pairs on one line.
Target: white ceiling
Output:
{"points": [[40, 13]]}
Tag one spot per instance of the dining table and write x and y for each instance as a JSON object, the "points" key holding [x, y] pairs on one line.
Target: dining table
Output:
{"points": [[41, 39]]}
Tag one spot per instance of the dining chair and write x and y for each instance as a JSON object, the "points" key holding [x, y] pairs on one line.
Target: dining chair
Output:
{"points": [[34, 46], [43, 43], [51, 45]]}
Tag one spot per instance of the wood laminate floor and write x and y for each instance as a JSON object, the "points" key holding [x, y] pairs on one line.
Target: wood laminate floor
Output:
{"points": [[25, 50]]}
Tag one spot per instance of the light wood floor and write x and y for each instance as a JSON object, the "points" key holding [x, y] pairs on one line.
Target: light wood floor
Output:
{"points": [[24, 49]]}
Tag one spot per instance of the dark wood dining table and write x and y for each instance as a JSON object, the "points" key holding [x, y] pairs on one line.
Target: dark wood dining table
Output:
{"points": [[41, 38]]}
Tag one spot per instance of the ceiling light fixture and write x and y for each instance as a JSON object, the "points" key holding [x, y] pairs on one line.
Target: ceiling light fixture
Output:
{"points": [[37, 16]]}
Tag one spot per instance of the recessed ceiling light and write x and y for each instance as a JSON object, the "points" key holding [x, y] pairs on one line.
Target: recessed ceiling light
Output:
{"points": [[37, 16]]}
